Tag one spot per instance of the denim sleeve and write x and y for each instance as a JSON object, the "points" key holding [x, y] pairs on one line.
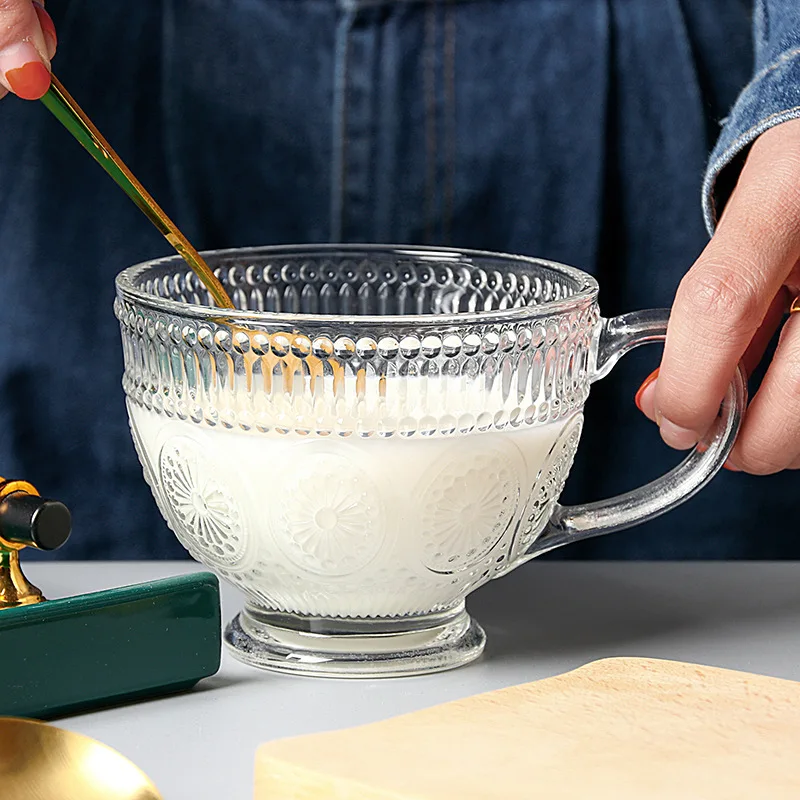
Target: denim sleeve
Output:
{"points": [[771, 97]]}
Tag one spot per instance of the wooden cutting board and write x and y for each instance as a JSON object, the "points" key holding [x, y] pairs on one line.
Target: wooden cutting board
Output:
{"points": [[622, 728]]}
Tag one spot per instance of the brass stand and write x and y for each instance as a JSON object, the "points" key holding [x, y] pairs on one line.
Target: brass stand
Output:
{"points": [[26, 520], [15, 588]]}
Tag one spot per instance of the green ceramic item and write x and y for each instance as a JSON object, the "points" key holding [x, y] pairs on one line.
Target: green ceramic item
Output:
{"points": [[66, 656]]}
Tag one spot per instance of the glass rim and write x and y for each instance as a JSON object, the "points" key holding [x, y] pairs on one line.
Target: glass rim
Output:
{"points": [[586, 292]]}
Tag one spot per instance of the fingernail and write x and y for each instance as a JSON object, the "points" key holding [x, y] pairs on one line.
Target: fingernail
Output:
{"points": [[645, 397], [676, 436], [23, 71], [48, 28]]}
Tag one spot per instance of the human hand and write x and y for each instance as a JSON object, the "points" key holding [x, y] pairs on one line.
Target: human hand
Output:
{"points": [[27, 43], [727, 308]]}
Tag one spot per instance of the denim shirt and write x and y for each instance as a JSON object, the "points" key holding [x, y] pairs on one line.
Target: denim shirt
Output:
{"points": [[574, 130], [771, 97]]}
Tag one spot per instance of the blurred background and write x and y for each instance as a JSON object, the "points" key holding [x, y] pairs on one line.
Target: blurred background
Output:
{"points": [[573, 130]]}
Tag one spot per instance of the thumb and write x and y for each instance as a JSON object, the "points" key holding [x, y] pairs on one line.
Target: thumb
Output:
{"points": [[24, 61]]}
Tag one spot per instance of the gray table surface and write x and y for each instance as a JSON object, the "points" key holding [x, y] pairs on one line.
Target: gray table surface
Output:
{"points": [[543, 619]]}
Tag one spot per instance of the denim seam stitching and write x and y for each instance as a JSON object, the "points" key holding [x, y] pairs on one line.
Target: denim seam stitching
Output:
{"points": [[727, 155], [339, 126], [724, 158], [449, 118], [779, 62], [429, 90]]}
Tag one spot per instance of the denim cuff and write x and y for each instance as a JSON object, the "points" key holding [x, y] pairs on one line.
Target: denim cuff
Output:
{"points": [[772, 97]]}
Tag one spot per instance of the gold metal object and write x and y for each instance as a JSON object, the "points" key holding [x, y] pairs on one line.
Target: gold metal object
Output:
{"points": [[42, 761], [15, 588], [795, 306], [70, 114]]}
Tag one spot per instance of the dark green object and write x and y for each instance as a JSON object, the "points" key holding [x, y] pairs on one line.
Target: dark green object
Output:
{"points": [[100, 649]]}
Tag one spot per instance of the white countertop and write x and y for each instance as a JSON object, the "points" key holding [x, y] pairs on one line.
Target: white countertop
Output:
{"points": [[543, 619]]}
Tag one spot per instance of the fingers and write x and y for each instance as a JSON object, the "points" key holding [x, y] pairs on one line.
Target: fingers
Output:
{"points": [[646, 395], [727, 296], [48, 28], [27, 42], [760, 341], [770, 437]]}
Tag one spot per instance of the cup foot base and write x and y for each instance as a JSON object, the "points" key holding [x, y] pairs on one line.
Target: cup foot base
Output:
{"points": [[366, 649]]}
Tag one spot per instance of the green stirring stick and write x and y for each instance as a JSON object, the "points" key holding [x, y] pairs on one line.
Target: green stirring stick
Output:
{"points": [[71, 116]]}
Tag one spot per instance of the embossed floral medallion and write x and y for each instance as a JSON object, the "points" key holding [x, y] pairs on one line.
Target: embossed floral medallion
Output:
{"points": [[207, 515], [330, 518], [550, 482], [468, 504]]}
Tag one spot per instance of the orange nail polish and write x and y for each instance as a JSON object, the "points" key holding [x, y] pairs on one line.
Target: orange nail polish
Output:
{"points": [[730, 467], [647, 381], [30, 81]]}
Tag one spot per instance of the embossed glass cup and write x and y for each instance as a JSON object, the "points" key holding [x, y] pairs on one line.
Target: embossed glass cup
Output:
{"points": [[374, 433]]}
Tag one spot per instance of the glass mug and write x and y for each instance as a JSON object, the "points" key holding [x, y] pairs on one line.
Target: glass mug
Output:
{"points": [[373, 434]]}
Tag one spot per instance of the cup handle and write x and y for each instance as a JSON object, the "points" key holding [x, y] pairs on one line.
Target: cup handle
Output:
{"points": [[568, 524]]}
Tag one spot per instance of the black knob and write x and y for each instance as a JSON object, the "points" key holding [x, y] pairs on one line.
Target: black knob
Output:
{"points": [[34, 521]]}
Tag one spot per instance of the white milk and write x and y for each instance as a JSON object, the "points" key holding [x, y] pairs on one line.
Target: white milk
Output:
{"points": [[352, 526]]}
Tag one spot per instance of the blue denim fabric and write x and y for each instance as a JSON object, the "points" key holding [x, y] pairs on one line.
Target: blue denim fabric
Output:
{"points": [[771, 97], [576, 130]]}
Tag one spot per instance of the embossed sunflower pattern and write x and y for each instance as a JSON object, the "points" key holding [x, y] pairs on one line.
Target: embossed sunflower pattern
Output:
{"points": [[550, 482], [204, 508], [331, 521], [466, 509]]}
